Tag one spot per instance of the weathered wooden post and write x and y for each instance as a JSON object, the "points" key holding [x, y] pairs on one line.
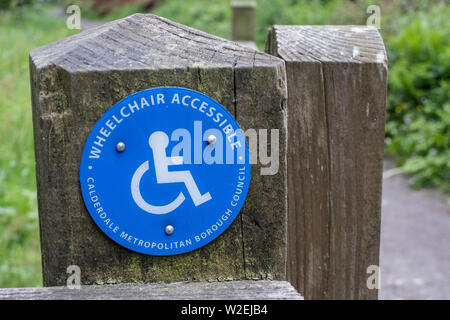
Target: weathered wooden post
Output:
{"points": [[336, 79], [76, 80], [314, 221], [243, 27]]}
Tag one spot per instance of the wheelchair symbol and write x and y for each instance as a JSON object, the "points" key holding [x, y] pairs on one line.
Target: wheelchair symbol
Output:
{"points": [[158, 142]]}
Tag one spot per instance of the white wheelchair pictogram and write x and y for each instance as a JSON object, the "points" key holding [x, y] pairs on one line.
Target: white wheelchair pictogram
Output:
{"points": [[158, 142]]}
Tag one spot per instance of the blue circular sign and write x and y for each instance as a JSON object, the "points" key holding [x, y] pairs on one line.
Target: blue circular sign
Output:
{"points": [[165, 171]]}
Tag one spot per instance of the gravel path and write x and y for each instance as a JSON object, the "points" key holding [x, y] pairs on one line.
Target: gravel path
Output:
{"points": [[415, 242]]}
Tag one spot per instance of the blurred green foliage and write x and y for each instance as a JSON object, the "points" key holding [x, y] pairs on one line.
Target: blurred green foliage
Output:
{"points": [[118, 12]]}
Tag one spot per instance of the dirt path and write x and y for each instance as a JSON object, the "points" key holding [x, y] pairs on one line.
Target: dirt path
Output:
{"points": [[415, 242]]}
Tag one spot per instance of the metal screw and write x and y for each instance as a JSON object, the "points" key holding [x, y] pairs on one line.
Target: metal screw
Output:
{"points": [[212, 139], [120, 147], [168, 230]]}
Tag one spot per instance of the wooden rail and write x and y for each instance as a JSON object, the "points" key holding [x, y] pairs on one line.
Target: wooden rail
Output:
{"points": [[230, 290]]}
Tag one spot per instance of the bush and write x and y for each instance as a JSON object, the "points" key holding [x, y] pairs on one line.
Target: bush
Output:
{"points": [[418, 115], [417, 38]]}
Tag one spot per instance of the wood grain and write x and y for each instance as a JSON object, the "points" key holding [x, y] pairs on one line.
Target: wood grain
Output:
{"points": [[336, 78], [229, 290]]}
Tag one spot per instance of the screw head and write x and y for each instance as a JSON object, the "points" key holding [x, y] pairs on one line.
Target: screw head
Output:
{"points": [[120, 147], [168, 230], [212, 139]]}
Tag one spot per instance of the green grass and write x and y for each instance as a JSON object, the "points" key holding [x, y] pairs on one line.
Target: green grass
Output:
{"points": [[20, 32]]}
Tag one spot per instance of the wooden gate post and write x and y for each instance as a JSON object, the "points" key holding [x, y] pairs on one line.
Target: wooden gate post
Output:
{"points": [[336, 79], [76, 80]]}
